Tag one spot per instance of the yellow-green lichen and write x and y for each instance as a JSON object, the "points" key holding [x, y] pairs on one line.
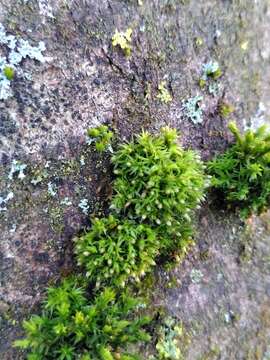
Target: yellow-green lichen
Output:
{"points": [[163, 93], [123, 40]]}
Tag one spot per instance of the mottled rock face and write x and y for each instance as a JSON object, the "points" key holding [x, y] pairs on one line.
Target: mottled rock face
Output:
{"points": [[222, 299]]}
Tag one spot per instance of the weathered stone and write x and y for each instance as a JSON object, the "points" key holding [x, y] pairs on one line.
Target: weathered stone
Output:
{"points": [[85, 82]]}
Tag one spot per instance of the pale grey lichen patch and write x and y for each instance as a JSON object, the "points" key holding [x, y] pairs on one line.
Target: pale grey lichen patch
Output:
{"points": [[17, 168], [5, 89], [214, 88], [52, 189], [45, 9], [211, 72], [209, 68], [192, 109], [36, 180], [5, 200], [84, 206], [267, 354], [82, 160], [33, 52], [66, 201], [258, 119], [16, 49], [13, 228], [196, 276]]}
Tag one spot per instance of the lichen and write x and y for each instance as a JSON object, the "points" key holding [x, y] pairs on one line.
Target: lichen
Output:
{"points": [[168, 343], [211, 70], [66, 201], [214, 88], [163, 93], [193, 110], [52, 189], [4, 201], [210, 73], [123, 40], [196, 276], [45, 9], [259, 119], [17, 168], [16, 50], [84, 206]]}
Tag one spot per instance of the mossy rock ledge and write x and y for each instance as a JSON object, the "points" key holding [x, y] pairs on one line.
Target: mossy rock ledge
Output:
{"points": [[51, 179]]}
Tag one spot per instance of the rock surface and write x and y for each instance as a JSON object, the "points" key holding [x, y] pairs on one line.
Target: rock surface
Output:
{"points": [[223, 287]]}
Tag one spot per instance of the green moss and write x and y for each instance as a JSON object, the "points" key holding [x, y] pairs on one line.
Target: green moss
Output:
{"points": [[72, 325], [225, 109], [101, 136], [114, 251], [9, 73], [151, 186], [172, 283], [242, 173], [150, 170]]}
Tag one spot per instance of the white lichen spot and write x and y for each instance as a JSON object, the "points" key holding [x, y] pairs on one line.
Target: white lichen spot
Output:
{"points": [[214, 89], [244, 45], [16, 49], [110, 149], [17, 168], [13, 228], [193, 109], [89, 140], [36, 180], [258, 120], [209, 68], [218, 33], [45, 9], [66, 201], [84, 206], [82, 160], [5, 200], [33, 52], [196, 276], [52, 189]]}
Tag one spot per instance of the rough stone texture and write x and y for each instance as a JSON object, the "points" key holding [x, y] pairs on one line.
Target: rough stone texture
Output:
{"points": [[85, 82]]}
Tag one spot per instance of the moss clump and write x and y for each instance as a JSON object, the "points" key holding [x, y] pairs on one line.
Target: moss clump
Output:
{"points": [[160, 184], [101, 136], [225, 109], [74, 327], [242, 173], [9, 73], [115, 250]]}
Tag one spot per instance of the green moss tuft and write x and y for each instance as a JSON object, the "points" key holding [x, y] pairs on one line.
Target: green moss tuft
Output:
{"points": [[9, 73], [242, 173]]}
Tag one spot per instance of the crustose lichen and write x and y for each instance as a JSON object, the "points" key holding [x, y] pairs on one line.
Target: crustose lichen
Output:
{"points": [[17, 50]]}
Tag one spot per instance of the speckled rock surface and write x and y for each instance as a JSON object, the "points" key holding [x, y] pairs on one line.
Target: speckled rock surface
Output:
{"points": [[223, 294]]}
